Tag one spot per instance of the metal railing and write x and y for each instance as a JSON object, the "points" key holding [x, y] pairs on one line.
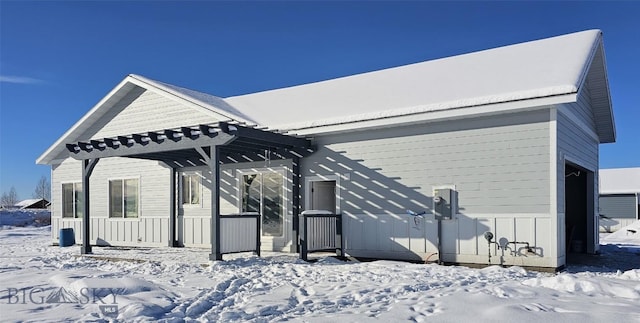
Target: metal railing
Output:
{"points": [[240, 233], [320, 231]]}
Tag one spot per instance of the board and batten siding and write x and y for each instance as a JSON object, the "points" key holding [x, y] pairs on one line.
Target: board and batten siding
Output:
{"points": [[149, 111], [500, 166], [149, 229]]}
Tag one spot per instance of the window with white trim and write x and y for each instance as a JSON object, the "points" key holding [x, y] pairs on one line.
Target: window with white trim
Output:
{"points": [[72, 200], [123, 198], [191, 189]]}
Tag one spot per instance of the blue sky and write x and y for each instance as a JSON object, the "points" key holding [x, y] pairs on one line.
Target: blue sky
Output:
{"points": [[59, 58]]}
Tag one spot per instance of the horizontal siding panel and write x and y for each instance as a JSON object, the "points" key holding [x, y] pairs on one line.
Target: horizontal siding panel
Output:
{"points": [[501, 165], [618, 206], [148, 112]]}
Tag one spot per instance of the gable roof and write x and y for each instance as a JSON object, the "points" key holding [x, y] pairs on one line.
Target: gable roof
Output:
{"points": [[207, 103], [553, 68], [536, 73], [32, 203]]}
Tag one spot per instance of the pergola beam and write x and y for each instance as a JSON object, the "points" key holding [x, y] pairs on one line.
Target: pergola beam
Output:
{"points": [[264, 136], [148, 146]]}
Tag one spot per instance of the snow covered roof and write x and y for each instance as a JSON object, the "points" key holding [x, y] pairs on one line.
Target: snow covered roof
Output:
{"points": [[31, 202], [207, 103], [536, 73], [619, 180], [538, 69]]}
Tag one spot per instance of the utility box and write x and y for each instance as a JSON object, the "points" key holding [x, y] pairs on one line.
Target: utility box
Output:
{"points": [[443, 203]]}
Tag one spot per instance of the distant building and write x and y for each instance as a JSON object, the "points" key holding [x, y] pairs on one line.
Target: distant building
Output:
{"points": [[32, 204], [619, 198]]}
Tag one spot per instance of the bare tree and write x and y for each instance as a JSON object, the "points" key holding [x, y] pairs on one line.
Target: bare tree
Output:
{"points": [[9, 199], [43, 189]]}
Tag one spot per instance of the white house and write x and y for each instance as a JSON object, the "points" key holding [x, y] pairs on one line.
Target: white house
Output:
{"points": [[619, 200], [503, 140]]}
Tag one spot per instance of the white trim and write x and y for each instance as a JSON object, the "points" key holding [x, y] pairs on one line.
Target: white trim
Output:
{"points": [[554, 159], [322, 178], [75, 207], [200, 188], [42, 159], [442, 115], [139, 198]]}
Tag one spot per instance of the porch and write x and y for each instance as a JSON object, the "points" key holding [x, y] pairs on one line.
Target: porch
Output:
{"points": [[210, 146]]}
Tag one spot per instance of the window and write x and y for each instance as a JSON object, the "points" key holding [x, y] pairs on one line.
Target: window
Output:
{"points": [[123, 198], [72, 200], [264, 193], [191, 189]]}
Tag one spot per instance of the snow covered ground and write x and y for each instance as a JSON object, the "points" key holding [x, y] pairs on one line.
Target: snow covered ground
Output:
{"points": [[40, 282], [21, 218]]}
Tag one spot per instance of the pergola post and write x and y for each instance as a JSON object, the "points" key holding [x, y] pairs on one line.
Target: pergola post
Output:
{"points": [[87, 169], [295, 188], [214, 165], [173, 204]]}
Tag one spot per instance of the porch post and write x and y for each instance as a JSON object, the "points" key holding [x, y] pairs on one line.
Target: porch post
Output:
{"points": [[87, 169], [296, 202], [172, 210], [214, 165]]}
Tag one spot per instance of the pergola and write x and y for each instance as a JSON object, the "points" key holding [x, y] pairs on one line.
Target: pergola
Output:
{"points": [[208, 144]]}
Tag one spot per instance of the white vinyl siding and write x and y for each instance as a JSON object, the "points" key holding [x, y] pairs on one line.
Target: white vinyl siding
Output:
{"points": [[575, 144], [500, 166], [148, 112], [150, 228]]}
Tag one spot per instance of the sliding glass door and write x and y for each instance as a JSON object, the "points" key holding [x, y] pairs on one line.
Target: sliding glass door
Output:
{"points": [[263, 192]]}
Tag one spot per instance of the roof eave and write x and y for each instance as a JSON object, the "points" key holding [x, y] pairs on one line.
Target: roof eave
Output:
{"points": [[47, 157], [148, 82], [596, 72], [50, 155], [441, 115]]}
